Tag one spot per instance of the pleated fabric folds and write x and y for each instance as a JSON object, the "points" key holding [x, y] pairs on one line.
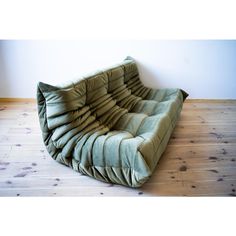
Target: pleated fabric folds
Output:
{"points": [[108, 125]]}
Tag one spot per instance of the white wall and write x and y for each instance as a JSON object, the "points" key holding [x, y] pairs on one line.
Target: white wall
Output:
{"points": [[205, 69]]}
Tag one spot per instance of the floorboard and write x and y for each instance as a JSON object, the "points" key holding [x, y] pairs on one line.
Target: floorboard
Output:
{"points": [[200, 159]]}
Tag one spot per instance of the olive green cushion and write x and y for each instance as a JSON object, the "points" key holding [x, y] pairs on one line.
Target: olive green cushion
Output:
{"points": [[108, 125]]}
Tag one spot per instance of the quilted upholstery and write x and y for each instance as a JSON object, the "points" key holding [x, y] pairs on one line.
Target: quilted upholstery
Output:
{"points": [[108, 125]]}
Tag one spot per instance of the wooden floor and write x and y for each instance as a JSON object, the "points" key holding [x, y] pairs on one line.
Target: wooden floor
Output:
{"points": [[200, 159]]}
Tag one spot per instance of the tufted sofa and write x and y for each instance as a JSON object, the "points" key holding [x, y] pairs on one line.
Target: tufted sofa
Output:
{"points": [[108, 125]]}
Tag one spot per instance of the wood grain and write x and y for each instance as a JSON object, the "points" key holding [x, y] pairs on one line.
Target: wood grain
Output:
{"points": [[200, 159]]}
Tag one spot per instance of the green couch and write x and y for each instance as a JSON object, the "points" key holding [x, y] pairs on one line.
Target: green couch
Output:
{"points": [[108, 125]]}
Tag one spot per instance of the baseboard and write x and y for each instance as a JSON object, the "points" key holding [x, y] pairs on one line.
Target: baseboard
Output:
{"points": [[201, 100], [17, 100], [190, 100]]}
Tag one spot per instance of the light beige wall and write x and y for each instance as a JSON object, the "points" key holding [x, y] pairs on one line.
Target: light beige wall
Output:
{"points": [[206, 69]]}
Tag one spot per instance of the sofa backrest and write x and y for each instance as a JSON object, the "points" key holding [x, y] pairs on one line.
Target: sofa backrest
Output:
{"points": [[54, 101], [93, 85]]}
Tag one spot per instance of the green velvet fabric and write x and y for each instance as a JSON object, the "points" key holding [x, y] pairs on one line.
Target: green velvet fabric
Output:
{"points": [[108, 125]]}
